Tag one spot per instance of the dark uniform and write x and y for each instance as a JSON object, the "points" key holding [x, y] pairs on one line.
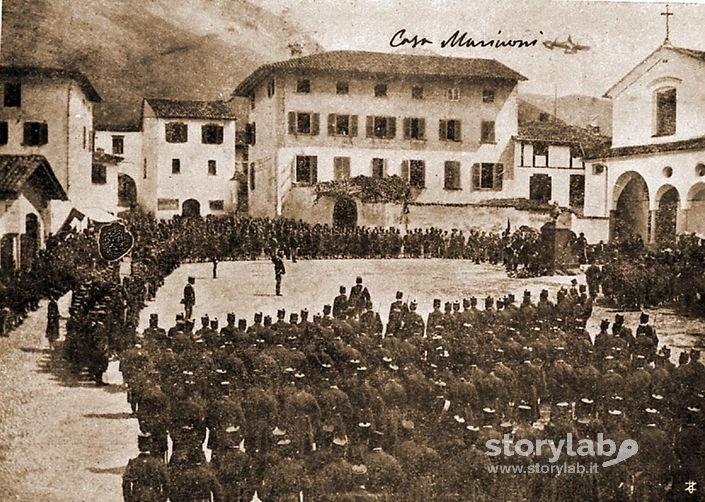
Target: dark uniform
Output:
{"points": [[279, 271], [189, 299], [145, 478]]}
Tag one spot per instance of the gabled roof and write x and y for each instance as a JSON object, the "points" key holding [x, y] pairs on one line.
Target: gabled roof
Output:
{"points": [[17, 170], [673, 146], [382, 64], [179, 109], [53, 74], [646, 64], [557, 132]]}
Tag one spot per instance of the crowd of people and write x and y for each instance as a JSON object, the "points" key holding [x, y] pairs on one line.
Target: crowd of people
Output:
{"points": [[334, 407]]}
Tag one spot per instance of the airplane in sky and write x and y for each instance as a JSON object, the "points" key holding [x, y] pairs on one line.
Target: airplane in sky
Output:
{"points": [[568, 46]]}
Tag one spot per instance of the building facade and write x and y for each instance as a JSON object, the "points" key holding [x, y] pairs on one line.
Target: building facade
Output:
{"points": [[49, 112], [188, 158], [651, 182], [444, 125]]}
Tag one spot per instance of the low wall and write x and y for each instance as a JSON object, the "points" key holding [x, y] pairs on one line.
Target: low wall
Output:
{"points": [[465, 218], [595, 229]]}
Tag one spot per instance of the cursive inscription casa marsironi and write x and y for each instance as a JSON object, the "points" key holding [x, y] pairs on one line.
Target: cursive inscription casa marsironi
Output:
{"points": [[459, 40]]}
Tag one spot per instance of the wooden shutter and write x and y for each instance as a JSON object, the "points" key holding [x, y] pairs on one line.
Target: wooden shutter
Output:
{"points": [[313, 163], [391, 127], [476, 171], [422, 128], [292, 122], [43, 134], [498, 175], [442, 130], [422, 170], [405, 170], [315, 124], [331, 124], [458, 131], [253, 138], [370, 126], [353, 125], [407, 127]]}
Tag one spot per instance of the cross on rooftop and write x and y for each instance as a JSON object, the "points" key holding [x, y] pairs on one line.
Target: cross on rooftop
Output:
{"points": [[667, 15]]}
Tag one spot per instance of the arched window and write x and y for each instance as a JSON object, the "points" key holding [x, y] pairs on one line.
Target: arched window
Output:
{"points": [[665, 104]]}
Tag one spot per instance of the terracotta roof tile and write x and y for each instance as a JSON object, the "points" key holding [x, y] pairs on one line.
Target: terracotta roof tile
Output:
{"points": [[52, 74], [16, 170], [210, 110]]}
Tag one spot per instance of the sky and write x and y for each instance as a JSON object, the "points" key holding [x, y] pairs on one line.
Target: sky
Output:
{"points": [[620, 34]]}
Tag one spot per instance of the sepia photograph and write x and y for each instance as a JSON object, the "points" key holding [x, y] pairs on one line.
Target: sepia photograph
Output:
{"points": [[351, 251]]}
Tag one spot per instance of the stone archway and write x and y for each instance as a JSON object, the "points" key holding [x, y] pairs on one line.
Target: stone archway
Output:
{"points": [[127, 191], [191, 208], [345, 213], [630, 208], [666, 221], [695, 221]]}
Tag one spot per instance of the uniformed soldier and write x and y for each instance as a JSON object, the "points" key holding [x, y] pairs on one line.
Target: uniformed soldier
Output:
{"points": [[396, 314], [145, 478], [189, 298], [340, 303]]}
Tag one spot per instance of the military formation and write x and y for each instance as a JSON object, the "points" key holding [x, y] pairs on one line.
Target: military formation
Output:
{"points": [[338, 407]]}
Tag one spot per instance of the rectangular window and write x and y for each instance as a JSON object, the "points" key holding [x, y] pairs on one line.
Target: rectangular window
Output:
{"points": [[212, 168], [540, 187], [176, 132], [304, 123], [342, 125], [4, 133], [487, 176], [487, 132], [99, 175], [13, 95], [381, 90], [449, 130], [576, 195], [417, 173], [303, 86], [35, 134], [454, 94], [576, 153], [414, 128], [488, 95], [270, 88], [216, 205], [118, 145], [168, 204], [212, 134], [379, 168], [252, 175], [381, 127], [666, 112], [341, 168], [175, 166], [417, 92], [452, 175], [306, 170], [342, 88]]}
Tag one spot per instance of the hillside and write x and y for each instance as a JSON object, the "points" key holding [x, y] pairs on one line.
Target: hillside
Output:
{"points": [[576, 110], [178, 49]]}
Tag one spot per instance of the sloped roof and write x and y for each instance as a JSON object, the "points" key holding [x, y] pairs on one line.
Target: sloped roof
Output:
{"points": [[178, 109], [17, 170], [385, 64], [53, 74], [557, 132], [673, 146]]}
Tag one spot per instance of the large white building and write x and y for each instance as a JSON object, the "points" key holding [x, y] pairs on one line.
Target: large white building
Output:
{"points": [[48, 112], [652, 181], [188, 158], [445, 125]]}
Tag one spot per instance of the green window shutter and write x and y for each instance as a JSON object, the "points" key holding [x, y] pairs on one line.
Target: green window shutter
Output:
{"points": [[315, 124], [422, 128], [292, 122], [442, 130], [353, 125], [458, 131]]}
